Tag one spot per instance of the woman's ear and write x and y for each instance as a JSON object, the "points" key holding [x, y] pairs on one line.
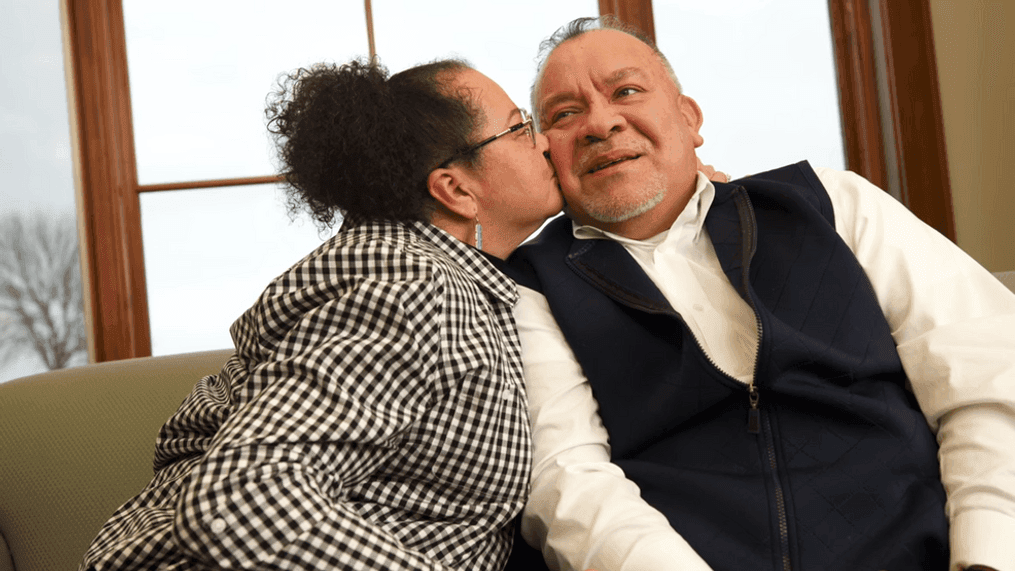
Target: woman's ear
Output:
{"points": [[452, 189]]}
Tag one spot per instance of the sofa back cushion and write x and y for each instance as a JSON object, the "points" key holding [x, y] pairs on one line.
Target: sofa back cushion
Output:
{"points": [[77, 443]]}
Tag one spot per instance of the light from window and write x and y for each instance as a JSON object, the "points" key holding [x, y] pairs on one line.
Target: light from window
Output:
{"points": [[208, 255], [200, 71], [41, 314], [500, 39], [763, 73]]}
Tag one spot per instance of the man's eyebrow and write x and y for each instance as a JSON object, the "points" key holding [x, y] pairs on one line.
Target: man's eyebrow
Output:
{"points": [[622, 74], [618, 76], [554, 100]]}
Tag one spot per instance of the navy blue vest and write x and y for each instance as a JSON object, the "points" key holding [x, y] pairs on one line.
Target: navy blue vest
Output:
{"points": [[834, 468]]}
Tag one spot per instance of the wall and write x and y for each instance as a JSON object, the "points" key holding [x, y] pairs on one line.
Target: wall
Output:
{"points": [[975, 49]]}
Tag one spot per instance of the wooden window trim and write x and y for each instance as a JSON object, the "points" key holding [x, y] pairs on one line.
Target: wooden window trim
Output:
{"points": [[853, 43], [113, 259], [112, 251], [217, 183], [914, 98], [638, 13]]}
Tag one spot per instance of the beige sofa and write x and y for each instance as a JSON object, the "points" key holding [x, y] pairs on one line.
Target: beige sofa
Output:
{"points": [[77, 443]]}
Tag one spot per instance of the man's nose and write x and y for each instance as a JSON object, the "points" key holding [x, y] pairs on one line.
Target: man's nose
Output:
{"points": [[602, 120]]}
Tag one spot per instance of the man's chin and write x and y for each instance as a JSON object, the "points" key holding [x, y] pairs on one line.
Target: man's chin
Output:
{"points": [[616, 213]]}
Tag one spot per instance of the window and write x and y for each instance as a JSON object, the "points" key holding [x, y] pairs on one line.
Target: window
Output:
{"points": [[41, 316], [112, 180], [757, 117], [210, 240], [212, 227]]}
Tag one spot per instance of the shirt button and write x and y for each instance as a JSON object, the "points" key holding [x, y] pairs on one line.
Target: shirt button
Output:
{"points": [[218, 525]]}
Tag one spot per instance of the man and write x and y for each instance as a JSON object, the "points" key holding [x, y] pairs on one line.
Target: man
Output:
{"points": [[749, 375]]}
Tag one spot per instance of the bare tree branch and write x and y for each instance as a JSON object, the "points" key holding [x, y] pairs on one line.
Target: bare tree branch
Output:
{"points": [[40, 290]]}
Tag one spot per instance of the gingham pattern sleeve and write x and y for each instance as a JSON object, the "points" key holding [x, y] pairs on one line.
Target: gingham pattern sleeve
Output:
{"points": [[270, 488], [372, 419]]}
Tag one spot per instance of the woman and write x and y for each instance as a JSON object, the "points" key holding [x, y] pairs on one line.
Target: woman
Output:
{"points": [[373, 416]]}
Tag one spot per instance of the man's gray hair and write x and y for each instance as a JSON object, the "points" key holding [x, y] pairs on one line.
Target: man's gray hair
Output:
{"points": [[580, 26]]}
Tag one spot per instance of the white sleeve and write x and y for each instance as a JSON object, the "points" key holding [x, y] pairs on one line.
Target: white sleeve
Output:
{"points": [[954, 325], [582, 511]]}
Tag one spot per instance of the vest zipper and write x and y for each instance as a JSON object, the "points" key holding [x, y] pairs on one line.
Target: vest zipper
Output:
{"points": [[780, 500], [754, 420], [748, 246], [753, 414]]}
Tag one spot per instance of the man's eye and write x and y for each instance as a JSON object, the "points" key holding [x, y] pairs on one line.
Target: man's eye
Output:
{"points": [[560, 115], [625, 91]]}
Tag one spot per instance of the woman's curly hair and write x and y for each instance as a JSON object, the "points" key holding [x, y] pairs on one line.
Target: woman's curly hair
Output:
{"points": [[353, 141]]}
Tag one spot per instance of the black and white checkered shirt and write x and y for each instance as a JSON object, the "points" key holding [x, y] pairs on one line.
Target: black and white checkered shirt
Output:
{"points": [[373, 417]]}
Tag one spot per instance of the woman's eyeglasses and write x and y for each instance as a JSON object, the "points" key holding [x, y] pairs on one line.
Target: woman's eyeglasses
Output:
{"points": [[525, 124]]}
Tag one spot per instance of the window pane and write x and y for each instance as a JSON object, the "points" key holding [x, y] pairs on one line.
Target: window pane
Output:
{"points": [[200, 72], [501, 39], [208, 255], [763, 73], [41, 316]]}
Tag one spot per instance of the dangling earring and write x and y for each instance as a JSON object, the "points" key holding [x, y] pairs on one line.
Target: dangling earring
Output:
{"points": [[479, 234]]}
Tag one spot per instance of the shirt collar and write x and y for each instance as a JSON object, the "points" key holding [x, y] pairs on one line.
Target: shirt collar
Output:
{"points": [[693, 215], [473, 261]]}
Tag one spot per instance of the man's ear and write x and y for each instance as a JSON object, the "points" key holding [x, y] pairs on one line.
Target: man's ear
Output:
{"points": [[692, 114], [453, 190]]}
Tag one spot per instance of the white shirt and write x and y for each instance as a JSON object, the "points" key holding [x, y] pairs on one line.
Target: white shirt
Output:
{"points": [[952, 321]]}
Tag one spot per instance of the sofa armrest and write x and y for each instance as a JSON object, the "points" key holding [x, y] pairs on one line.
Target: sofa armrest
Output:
{"points": [[76, 443], [1007, 278]]}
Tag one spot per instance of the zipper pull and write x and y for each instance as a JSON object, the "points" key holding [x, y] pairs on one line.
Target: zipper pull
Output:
{"points": [[753, 415]]}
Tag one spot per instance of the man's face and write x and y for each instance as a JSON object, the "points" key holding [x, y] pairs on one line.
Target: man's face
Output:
{"points": [[622, 137]]}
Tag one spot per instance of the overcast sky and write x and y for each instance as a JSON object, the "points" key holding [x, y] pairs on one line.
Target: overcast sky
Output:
{"points": [[761, 70], [35, 161]]}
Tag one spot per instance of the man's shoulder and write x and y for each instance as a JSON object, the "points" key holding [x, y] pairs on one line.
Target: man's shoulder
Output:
{"points": [[555, 238], [549, 247], [797, 183], [801, 173]]}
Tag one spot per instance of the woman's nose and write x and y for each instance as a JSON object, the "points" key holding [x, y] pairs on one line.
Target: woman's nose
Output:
{"points": [[543, 143]]}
